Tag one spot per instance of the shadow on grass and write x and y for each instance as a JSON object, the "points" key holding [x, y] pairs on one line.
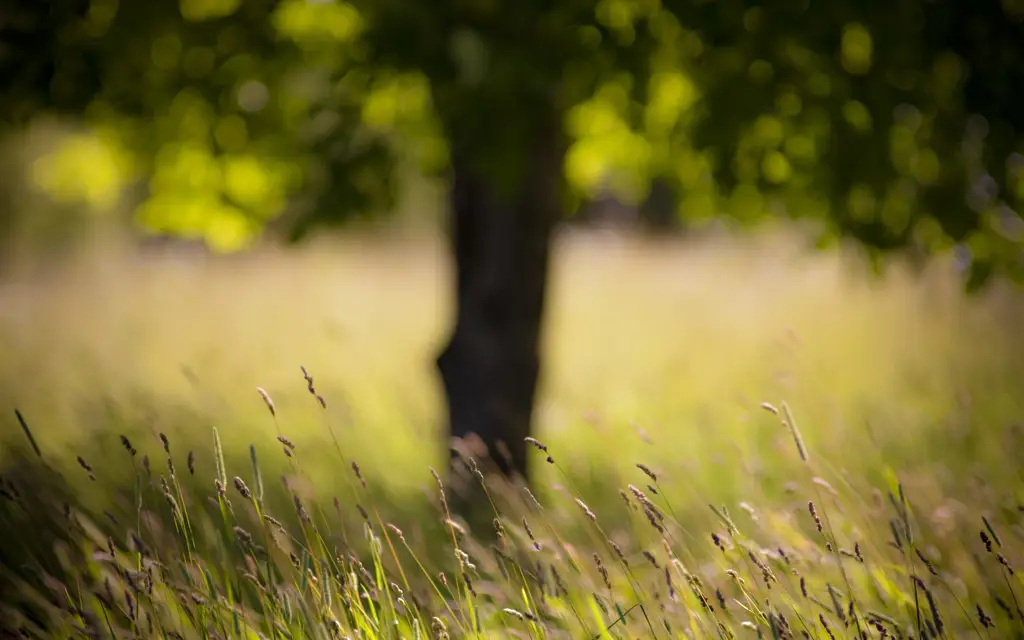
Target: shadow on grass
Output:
{"points": [[65, 522]]}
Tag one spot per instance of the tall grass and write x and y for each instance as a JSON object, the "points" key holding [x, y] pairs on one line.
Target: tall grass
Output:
{"points": [[743, 441]]}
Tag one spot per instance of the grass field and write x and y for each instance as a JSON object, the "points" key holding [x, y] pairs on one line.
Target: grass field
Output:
{"points": [[905, 415]]}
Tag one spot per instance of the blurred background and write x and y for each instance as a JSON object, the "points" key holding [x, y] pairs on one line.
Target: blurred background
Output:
{"points": [[784, 200]]}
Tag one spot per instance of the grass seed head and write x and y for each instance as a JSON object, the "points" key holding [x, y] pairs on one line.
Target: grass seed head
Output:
{"points": [[529, 532], [650, 558], [647, 470], [88, 468], [126, 443], [984, 619], [603, 571], [267, 401], [814, 514], [1005, 563], [541, 446], [536, 443], [300, 510], [924, 559], [718, 541], [625, 498], [533, 499], [398, 532], [618, 552], [359, 474], [586, 510], [242, 488]]}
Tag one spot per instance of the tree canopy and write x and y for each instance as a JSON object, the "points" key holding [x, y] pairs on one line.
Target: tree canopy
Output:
{"points": [[895, 123]]}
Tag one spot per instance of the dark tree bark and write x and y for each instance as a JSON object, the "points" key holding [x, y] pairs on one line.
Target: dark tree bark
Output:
{"points": [[501, 243]]}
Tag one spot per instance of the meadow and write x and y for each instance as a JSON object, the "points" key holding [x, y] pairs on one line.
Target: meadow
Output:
{"points": [[749, 439]]}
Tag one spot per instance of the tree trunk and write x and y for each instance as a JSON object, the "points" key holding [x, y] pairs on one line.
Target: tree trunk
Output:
{"points": [[501, 243], [658, 211]]}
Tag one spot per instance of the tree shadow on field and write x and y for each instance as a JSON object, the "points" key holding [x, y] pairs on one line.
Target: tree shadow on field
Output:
{"points": [[62, 520], [38, 541]]}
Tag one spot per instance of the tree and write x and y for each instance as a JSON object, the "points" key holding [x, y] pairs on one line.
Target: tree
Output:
{"points": [[896, 124]]}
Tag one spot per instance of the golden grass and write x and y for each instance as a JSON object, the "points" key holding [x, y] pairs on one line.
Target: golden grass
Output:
{"points": [[684, 340], [659, 354]]}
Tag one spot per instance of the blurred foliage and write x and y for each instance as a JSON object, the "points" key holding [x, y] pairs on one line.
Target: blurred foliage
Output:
{"points": [[898, 124]]}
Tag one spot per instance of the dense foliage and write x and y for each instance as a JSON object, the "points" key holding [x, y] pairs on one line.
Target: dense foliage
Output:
{"points": [[897, 124]]}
